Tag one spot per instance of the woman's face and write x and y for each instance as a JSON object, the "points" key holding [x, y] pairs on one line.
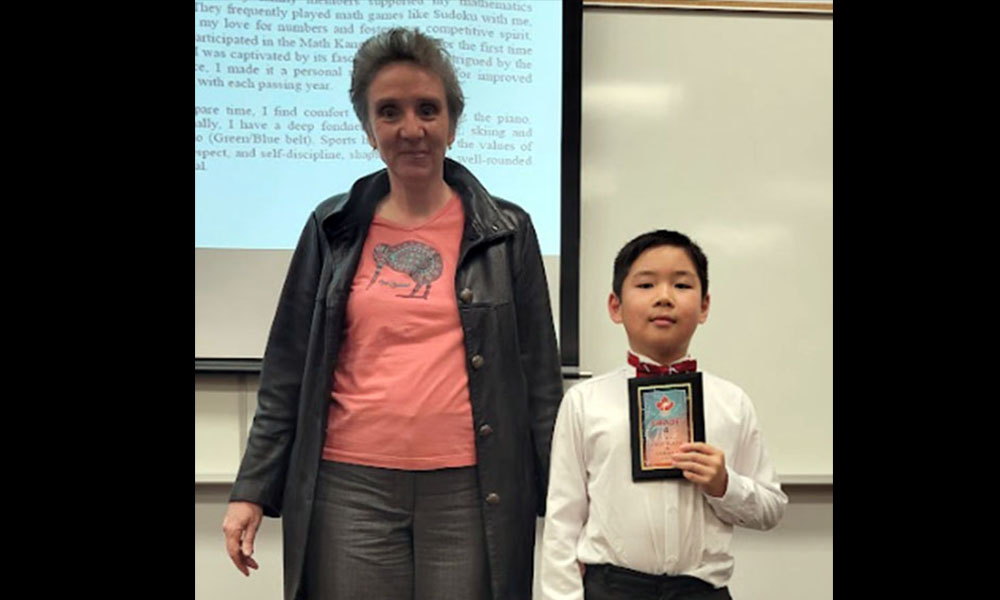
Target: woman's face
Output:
{"points": [[409, 119]]}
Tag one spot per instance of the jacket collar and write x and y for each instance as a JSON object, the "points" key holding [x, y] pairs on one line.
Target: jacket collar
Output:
{"points": [[484, 219]]}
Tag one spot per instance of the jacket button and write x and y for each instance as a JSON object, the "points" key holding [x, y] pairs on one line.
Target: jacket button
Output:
{"points": [[477, 361], [492, 498], [485, 431], [466, 295]]}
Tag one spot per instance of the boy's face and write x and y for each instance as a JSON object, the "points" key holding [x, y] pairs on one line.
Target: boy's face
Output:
{"points": [[661, 303]]}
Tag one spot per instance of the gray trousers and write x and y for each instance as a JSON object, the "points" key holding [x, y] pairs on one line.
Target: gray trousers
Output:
{"points": [[386, 534]]}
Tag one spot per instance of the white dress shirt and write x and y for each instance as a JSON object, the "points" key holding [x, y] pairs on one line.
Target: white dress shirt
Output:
{"points": [[595, 513]]}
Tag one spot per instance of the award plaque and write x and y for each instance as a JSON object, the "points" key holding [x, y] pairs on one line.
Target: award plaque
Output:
{"points": [[665, 411]]}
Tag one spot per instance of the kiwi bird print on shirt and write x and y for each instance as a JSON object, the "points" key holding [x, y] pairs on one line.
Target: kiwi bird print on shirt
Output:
{"points": [[422, 263]]}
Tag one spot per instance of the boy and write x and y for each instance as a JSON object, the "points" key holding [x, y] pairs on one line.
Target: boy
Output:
{"points": [[607, 537]]}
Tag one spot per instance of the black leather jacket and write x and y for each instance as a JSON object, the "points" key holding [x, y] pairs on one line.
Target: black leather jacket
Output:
{"points": [[513, 365]]}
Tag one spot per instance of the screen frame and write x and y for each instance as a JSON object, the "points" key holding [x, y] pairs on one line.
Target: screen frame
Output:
{"points": [[569, 239]]}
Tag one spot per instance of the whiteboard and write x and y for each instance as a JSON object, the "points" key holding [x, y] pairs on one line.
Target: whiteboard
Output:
{"points": [[720, 125]]}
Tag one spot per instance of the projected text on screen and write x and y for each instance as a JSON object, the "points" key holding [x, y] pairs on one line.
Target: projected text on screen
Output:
{"points": [[275, 132]]}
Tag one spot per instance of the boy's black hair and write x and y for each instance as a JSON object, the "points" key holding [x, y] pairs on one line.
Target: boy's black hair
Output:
{"points": [[660, 237]]}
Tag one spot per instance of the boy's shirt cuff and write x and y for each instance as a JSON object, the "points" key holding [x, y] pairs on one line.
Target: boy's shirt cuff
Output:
{"points": [[736, 494]]}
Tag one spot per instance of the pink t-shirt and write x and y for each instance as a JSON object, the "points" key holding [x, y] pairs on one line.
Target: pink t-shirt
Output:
{"points": [[401, 389]]}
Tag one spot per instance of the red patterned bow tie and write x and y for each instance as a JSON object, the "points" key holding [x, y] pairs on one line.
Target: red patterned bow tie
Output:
{"points": [[645, 369]]}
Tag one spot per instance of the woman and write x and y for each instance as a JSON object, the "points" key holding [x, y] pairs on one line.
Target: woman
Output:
{"points": [[411, 378]]}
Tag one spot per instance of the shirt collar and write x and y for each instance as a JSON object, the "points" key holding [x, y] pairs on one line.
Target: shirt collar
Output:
{"points": [[646, 359]]}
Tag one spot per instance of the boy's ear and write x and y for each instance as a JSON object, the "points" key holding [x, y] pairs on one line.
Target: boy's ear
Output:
{"points": [[615, 308], [704, 309]]}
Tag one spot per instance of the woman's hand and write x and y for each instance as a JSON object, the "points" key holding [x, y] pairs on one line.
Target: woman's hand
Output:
{"points": [[240, 527]]}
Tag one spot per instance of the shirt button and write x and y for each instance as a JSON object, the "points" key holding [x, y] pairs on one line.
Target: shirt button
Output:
{"points": [[485, 431], [477, 361], [466, 295], [492, 498]]}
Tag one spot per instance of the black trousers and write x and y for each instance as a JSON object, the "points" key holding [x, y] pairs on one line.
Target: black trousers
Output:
{"points": [[386, 534], [609, 582]]}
